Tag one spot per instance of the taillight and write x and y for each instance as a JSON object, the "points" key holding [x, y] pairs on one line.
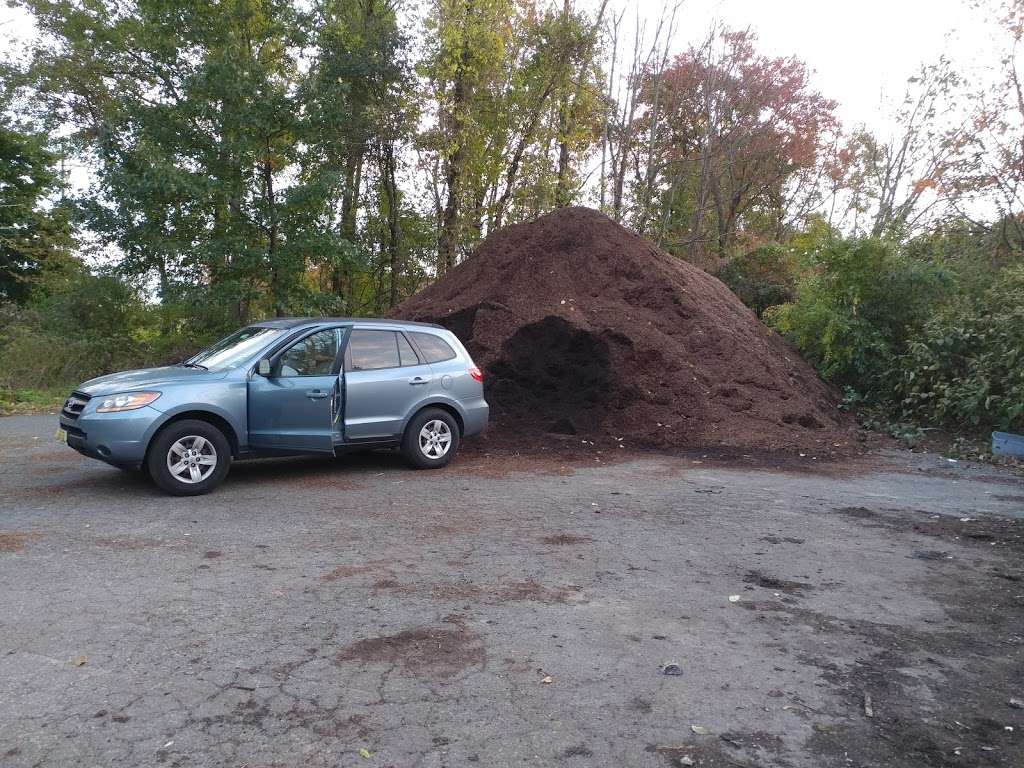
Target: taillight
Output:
{"points": [[477, 374]]}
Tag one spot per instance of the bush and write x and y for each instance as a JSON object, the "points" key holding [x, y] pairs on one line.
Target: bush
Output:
{"points": [[855, 309], [81, 329], [966, 369], [761, 278]]}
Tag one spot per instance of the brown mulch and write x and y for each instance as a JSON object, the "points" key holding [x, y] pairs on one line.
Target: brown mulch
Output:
{"points": [[585, 329]]}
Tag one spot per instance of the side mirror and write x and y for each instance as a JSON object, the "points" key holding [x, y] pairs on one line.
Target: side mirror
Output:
{"points": [[263, 367]]}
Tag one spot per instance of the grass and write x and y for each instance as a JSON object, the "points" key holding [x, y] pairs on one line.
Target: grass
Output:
{"points": [[26, 401]]}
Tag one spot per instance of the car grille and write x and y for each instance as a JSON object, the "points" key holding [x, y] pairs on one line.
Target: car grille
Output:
{"points": [[73, 406]]}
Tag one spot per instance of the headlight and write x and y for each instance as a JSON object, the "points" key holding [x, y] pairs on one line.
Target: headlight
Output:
{"points": [[129, 401]]}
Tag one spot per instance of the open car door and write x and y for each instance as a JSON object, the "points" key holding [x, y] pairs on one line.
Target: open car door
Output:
{"points": [[297, 407]]}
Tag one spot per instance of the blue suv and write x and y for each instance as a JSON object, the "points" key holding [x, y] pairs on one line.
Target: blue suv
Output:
{"points": [[283, 387]]}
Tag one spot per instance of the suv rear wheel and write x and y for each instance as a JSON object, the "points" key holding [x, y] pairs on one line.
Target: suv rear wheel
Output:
{"points": [[431, 439], [189, 458]]}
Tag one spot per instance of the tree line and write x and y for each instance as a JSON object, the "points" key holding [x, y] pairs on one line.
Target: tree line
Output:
{"points": [[266, 157]]}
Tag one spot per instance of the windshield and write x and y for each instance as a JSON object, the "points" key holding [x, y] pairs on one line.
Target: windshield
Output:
{"points": [[236, 348]]}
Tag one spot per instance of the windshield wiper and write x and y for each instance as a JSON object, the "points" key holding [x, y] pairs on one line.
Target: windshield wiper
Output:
{"points": [[193, 365]]}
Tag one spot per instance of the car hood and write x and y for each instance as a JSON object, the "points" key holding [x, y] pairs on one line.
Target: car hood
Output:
{"points": [[146, 378]]}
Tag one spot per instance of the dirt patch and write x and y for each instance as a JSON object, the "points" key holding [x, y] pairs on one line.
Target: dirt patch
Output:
{"points": [[772, 539], [482, 459], [962, 674], [589, 332], [580, 750], [862, 513], [423, 651], [126, 543], [13, 541], [497, 594], [345, 571], [776, 584], [566, 540]]}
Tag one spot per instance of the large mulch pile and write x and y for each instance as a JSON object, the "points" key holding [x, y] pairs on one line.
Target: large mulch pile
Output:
{"points": [[585, 329]]}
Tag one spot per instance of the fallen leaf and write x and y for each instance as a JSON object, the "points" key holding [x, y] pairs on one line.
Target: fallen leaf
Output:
{"points": [[547, 679], [364, 753], [79, 660]]}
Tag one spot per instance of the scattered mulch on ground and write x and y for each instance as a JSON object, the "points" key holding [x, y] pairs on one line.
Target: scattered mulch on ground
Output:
{"points": [[345, 571], [423, 651], [587, 331], [774, 583], [939, 697], [566, 540], [15, 542], [501, 593]]}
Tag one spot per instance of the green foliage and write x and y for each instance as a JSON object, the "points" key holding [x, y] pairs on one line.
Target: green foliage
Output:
{"points": [[229, 175], [85, 327], [35, 237], [855, 309], [966, 367], [762, 278], [931, 336], [15, 401]]}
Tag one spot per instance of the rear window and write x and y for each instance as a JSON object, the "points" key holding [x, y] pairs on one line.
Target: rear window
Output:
{"points": [[434, 348]]}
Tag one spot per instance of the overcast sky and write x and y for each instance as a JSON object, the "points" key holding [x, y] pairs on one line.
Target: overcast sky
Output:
{"points": [[861, 52]]}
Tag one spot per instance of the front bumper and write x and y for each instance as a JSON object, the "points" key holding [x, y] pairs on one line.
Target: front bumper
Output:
{"points": [[116, 438]]}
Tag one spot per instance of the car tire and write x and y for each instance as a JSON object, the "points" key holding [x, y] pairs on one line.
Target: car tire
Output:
{"points": [[431, 439], [189, 458]]}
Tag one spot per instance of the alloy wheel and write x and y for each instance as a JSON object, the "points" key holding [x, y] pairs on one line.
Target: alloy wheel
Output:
{"points": [[435, 439], [191, 459]]}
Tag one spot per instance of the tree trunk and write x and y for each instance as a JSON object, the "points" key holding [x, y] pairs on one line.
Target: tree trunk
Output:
{"points": [[341, 283], [387, 173], [448, 237], [268, 191]]}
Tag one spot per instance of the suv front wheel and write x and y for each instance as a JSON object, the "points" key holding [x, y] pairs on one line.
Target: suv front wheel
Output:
{"points": [[431, 439], [189, 458]]}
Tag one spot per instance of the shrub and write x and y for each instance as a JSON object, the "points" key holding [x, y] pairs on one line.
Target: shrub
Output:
{"points": [[856, 307], [761, 278], [966, 368], [86, 327]]}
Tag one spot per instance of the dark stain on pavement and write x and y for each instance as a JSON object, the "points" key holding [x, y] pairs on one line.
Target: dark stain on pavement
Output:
{"points": [[566, 540], [772, 582], [423, 651]]}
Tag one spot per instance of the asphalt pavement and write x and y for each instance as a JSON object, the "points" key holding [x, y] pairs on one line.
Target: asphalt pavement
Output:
{"points": [[510, 611]]}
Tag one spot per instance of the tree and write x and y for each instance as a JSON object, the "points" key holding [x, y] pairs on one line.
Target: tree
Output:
{"points": [[899, 182], [515, 87], [36, 237], [989, 170], [358, 96], [727, 129], [231, 172], [471, 38]]}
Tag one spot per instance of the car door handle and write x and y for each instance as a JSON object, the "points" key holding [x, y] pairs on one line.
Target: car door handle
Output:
{"points": [[419, 380], [316, 394]]}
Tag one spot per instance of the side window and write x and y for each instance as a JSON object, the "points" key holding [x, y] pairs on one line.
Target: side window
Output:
{"points": [[435, 348], [405, 351], [311, 356], [370, 350]]}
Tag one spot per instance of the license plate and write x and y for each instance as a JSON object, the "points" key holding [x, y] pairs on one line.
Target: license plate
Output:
{"points": [[62, 436]]}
